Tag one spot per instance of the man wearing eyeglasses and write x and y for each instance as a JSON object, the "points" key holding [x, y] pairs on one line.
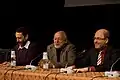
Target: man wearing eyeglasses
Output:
{"points": [[102, 56]]}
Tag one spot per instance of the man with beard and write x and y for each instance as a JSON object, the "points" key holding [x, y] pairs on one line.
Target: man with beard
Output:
{"points": [[25, 50], [102, 56], [61, 52]]}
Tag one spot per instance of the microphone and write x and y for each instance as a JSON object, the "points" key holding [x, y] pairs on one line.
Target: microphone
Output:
{"points": [[35, 58], [113, 73], [4, 50], [32, 67], [64, 69], [114, 63], [4, 54], [68, 70], [82, 52]]}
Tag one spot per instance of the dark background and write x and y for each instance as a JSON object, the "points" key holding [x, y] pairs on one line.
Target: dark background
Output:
{"points": [[80, 23]]}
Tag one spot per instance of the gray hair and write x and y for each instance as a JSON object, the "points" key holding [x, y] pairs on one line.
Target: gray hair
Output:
{"points": [[63, 34]]}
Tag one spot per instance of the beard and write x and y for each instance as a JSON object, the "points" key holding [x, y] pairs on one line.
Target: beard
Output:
{"points": [[58, 45], [100, 47]]}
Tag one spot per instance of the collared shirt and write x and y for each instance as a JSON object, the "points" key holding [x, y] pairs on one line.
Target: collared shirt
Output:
{"points": [[25, 46]]}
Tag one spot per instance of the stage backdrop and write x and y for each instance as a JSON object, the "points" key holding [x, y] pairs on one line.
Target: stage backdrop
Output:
{"points": [[71, 3]]}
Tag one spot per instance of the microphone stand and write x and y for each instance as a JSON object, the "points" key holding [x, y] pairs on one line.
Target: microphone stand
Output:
{"points": [[113, 73], [32, 67], [114, 64]]}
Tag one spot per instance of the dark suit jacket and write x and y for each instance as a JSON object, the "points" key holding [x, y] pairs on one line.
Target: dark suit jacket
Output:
{"points": [[90, 59], [25, 56], [67, 55]]}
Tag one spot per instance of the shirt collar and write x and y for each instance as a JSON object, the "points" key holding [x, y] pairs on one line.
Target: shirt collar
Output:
{"points": [[25, 46], [103, 51]]}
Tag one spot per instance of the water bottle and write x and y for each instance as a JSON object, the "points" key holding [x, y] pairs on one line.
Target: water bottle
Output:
{"points": [[13, 59], [45, 63]]}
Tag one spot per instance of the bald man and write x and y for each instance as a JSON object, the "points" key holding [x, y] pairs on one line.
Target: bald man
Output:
{"points": [[101, 38], [102, 56], [61, 52]]}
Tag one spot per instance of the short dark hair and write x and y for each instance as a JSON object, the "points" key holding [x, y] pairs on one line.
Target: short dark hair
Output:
{"points": [[22, 30]]}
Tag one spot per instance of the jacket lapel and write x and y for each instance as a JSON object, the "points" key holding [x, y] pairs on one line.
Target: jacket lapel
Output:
{"points": [[94, 57], [54, 54]]}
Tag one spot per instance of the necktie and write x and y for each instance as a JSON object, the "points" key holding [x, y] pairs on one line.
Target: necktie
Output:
{"points": [[100, 58]]}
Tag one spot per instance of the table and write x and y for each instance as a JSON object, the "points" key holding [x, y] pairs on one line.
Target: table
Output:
{"points": [[19, 73]]}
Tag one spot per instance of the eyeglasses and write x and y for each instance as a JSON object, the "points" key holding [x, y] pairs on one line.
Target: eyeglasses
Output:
{"points": [[98, 38]]}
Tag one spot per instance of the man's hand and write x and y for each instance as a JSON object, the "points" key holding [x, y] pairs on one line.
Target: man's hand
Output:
{"points": [[71, 67], [6, 63], [81, 70]]}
